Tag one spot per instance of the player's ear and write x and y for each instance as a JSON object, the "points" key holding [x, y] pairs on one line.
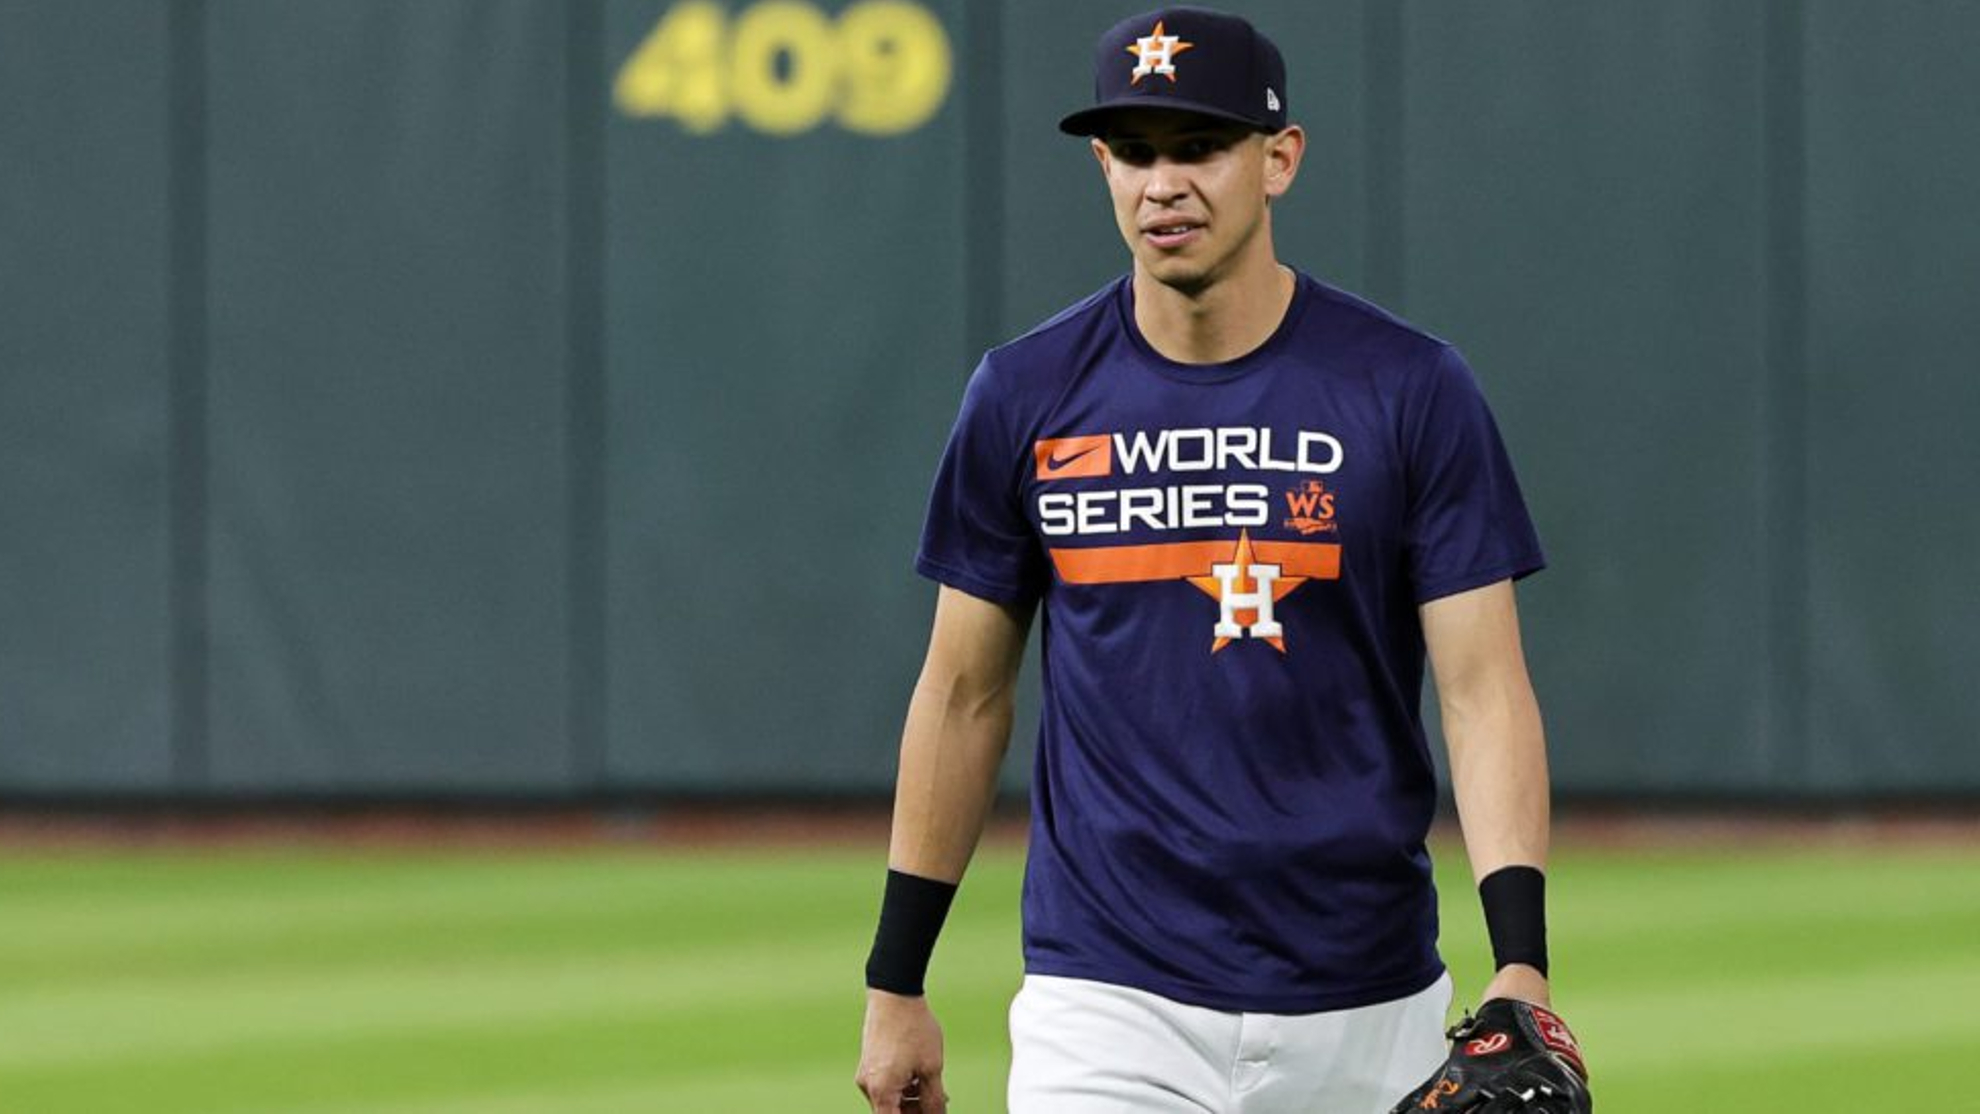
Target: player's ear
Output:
{"points": [[1101, 155], [1283, 151]]}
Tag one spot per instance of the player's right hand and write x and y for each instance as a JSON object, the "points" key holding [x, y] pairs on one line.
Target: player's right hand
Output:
{"points": [[900, 1056]]}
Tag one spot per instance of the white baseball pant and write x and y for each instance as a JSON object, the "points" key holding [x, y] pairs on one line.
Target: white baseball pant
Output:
{"points": [[1081, 1047]]}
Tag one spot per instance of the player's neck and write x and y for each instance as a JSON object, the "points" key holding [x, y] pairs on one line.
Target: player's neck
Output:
{"points": [[1219, 323]]}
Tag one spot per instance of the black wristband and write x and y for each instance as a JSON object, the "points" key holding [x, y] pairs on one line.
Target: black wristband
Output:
{"points": [[911, 916], [1515, 900]]}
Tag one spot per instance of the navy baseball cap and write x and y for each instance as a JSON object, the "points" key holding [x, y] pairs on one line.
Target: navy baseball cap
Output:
{"points": [[1189, 59]]}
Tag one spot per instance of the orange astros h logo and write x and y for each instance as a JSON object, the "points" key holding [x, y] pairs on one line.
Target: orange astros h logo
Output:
{"points": [[1156, 54], [1247, 578], [1242, 610]]}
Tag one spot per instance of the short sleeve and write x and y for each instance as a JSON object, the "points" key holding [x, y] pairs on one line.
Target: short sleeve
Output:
{"points": [[1467, 523], [976, 536]]}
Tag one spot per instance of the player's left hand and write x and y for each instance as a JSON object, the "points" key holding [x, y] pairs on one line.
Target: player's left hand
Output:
{"points": [[1511, 1057]]}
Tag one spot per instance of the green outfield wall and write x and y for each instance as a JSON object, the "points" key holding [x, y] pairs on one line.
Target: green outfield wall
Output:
{"points": [[502, 397]]}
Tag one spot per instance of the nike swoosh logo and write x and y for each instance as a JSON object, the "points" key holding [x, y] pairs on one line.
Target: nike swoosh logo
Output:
{"points": [[1056, 462]]}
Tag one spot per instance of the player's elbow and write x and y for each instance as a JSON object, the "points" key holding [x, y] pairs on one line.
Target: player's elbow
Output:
{"points": [[957, 694], [1496, 708]]}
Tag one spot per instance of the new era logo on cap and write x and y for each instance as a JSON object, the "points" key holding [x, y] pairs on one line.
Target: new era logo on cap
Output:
{"points": [[1231, 71]]}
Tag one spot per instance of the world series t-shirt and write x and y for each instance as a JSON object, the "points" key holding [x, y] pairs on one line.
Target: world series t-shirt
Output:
{"points": [[1233, 787]]}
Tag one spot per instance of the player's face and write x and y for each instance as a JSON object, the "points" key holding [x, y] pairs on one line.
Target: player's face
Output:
{"points": [[1190, 192]]}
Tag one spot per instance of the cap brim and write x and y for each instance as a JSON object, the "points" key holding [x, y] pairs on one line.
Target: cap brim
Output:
{"points": [[1092, 121]]}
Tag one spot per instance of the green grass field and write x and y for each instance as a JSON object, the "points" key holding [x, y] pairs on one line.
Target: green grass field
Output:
{"points": [[624, 979]]}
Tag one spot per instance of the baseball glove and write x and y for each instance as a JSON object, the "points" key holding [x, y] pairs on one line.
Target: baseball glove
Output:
{"points": [[1508, 1057]]}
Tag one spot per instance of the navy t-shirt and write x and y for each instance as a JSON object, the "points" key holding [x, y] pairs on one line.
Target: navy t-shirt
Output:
{"points": [[1233, 787]]}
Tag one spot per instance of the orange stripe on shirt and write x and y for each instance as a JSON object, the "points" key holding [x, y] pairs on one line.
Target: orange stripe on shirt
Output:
{"points": [[1127, 564]]}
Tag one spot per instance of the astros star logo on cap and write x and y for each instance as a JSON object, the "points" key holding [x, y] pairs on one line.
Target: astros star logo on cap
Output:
{"points": [[1156, 53]]}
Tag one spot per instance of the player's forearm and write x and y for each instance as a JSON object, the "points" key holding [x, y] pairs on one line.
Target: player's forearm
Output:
{"points": [[958, 725], [957, 732], [1499, 772]]}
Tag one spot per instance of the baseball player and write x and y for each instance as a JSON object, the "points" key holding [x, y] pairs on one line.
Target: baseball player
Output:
{"points": [[1249, 504]]}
